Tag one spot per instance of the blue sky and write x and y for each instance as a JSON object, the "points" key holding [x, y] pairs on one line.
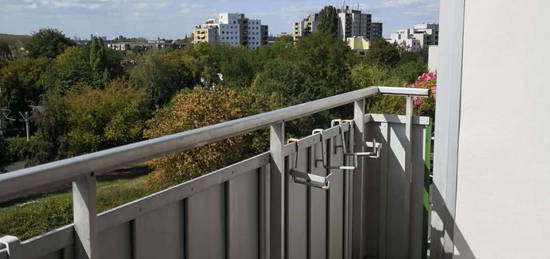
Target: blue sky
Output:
{"points": [[173, 19]]}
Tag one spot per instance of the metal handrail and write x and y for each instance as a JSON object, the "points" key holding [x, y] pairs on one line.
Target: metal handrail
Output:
{"points": [[19, 183]]}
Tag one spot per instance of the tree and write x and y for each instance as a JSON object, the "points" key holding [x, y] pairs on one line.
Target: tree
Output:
{"points": [[92, 65], [161, 75], [235, 65], [18, 84], [104, 118], [48, 43], [51, 121], [191, 109], [409, 71], [5, 54], [365, 75], [68, 69], [318, 66], [98, 61], [382, 53], [328, 20]]}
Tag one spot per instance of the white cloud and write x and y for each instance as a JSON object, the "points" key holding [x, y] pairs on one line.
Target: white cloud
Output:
{"points": [[301, 11], [75, 4], [402, 3], [186, 8], [260, 14], [417, 13], [17, 6]]}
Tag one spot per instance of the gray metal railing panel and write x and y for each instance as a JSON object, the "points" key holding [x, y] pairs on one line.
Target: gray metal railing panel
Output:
{"points": [[232, 211], [53, 243], [315, 218], [394, 227], [15, 184], [154, 223], [243, 216], [116, 242], [179, 192]]}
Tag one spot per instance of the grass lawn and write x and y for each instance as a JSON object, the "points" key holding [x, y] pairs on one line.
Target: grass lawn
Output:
{"points": [[35, 216]]}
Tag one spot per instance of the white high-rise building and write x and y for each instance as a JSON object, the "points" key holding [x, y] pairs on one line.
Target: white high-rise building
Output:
{"points": [[233, 29], [351, 23], [416, 38]]}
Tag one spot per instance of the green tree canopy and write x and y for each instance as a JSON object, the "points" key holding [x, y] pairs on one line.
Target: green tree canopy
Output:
{"points": [[98, 61], [328, 20], [51, 121], [161, 75], [68, 69], [48, 43], [318, 66], [383, 53], [18, 83], [104, 118], [197, 108]]}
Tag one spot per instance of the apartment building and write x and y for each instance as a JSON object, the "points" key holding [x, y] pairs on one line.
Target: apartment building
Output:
{"points": [[234, 29], [207, 32], [305, 26], [416, 38], [376, 31], [351, 23]]}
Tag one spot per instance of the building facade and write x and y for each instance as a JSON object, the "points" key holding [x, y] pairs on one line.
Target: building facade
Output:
{"points": [[234, 29], [376, 31], [416, 38], [351, 23], [358, 44], [305, 26]]}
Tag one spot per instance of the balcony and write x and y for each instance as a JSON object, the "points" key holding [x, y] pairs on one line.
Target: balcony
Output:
{"points": [[353, 190]]}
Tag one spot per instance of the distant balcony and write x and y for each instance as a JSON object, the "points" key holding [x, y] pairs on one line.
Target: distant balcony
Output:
{"points": [[352, 190]]}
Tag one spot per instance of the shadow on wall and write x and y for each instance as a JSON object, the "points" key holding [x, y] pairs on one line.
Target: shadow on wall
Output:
{"points": [[461, 248]]}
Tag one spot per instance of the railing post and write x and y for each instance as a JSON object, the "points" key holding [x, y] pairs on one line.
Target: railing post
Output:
{"points": [[415, 188], [13, 246], [358, 180], [85, 216], [277, 199]]}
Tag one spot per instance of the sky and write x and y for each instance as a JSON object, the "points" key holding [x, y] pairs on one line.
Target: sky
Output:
{"points": [[174, 19]]}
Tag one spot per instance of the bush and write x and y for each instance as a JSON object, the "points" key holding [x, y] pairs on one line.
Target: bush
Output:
{"points": [[100, 119], [197, 108], [18, 148]]}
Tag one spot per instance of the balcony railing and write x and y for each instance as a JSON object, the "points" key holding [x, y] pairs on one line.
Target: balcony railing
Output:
{"points": [[349, 191]]}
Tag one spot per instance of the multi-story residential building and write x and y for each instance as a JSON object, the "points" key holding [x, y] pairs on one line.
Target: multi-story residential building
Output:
{"points": [[142, 45], [351, 23], [416, 38], [234, 29], [264, 34], [430, 31], [358, 44], [305, 26], [207, 32], [376, 31]]}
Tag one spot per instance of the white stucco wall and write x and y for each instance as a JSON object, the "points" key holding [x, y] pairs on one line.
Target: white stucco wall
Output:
{"points": [[433, 58], [503, 186]]}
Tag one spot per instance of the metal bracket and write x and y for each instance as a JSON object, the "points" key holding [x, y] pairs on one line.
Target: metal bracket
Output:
{"points": [[307, 178], [13, 246], [323, 182], [376, 148]]}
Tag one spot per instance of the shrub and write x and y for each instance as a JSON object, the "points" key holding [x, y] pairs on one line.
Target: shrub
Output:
{"points": [[426, 106], [197, 108]]}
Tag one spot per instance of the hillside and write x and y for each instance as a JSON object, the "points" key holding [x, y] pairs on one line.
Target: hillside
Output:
{"points": [[12, 39]]}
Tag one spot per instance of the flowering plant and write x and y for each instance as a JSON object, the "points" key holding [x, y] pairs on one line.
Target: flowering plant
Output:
{"points": [[426, 106]]}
